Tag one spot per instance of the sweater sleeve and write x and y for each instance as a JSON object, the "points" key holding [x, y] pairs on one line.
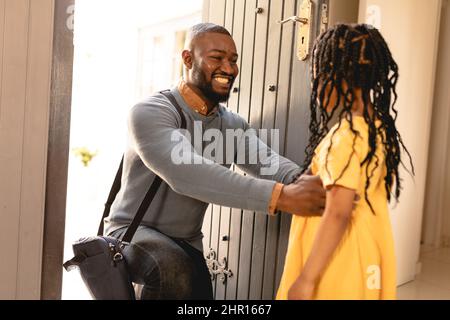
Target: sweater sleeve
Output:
{"points": [[262, 161], [164, 149]]}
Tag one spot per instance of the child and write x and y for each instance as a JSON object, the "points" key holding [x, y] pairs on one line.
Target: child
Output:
{"points": [[349, 252]]}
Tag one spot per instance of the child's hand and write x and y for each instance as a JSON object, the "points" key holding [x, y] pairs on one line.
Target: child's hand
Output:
{"points": [[302, 289]]}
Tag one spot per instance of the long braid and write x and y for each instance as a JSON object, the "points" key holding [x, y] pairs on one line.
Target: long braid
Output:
{"points": [[359, 57]]}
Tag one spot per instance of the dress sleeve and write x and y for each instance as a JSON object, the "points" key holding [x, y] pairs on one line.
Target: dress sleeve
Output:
{"points": [[339, 159]]}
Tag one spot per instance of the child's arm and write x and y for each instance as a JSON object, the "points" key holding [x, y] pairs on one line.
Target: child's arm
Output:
{"points": [[338, 209]]}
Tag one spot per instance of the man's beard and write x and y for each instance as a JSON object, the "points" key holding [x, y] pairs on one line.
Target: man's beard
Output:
{"points": [[206, 87]]}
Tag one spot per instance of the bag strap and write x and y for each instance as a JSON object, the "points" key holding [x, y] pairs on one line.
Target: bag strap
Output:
{"points": [[131, 230], [112, 195], [174, 102]]}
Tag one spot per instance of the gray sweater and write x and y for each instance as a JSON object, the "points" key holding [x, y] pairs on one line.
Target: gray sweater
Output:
{"points": [[179, 206]]}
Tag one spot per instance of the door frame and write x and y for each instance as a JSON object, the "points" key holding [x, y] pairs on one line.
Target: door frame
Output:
{"points": [[58, 150]]}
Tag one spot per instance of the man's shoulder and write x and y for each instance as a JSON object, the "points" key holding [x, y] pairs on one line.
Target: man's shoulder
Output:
{"points": [[155, 103], [155, 100], [155, 107]]}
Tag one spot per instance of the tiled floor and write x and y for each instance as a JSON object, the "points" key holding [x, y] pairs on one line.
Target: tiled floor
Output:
{"points": [[433, 283]]}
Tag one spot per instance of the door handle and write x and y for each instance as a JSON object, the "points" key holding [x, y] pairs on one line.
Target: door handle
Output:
{"points": [[304, 20], [294, 19]]}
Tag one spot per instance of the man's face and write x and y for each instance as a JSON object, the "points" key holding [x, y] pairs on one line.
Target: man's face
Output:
{"points": [[214, 67]]}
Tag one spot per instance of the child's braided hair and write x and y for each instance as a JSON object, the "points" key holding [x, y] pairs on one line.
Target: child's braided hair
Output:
{"points": [[358, 56]]}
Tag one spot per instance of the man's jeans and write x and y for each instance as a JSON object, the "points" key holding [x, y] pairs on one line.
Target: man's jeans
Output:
{"points": [[167, 268]]}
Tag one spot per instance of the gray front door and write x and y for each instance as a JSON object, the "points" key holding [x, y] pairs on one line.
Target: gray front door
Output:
{"points": [[272, 91]]}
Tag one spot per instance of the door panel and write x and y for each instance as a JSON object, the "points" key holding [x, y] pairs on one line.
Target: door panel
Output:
{"points": [[243, 272], [225, 214], [217, 10], [270, 107], [287, 55], [236, 214], [253, 244], [257, 90]]}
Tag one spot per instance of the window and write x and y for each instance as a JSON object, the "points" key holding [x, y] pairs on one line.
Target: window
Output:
{"points": [[159, 64]]}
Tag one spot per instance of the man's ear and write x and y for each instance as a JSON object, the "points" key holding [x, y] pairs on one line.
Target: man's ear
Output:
{"points": [[187, 58]]}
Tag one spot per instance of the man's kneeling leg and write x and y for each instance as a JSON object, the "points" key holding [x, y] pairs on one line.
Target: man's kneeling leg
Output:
{"points": [[166, 268]]}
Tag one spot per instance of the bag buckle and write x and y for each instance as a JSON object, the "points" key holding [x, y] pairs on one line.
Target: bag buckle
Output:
{"points": [[116, 252], [118, 256]]}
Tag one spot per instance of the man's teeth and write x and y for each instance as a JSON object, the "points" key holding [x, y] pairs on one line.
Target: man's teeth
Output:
{"points": [[222, 80]]}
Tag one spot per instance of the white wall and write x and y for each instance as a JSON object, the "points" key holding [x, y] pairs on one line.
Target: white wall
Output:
{"points": [[436, 229], [343, 11], [26, 33], [411, 30]]}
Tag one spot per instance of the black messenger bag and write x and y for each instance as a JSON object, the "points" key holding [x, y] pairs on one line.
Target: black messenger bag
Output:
{"points": [[100, 260]]}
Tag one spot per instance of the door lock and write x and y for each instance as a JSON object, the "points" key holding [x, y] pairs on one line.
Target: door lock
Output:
{"points": [[304, 28]]}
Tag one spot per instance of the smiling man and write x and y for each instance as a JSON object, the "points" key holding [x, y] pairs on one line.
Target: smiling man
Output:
{"points": [[211, 64], [165, 255]]}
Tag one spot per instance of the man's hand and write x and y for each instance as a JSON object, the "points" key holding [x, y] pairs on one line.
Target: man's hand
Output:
{"points": [[305, 197]]}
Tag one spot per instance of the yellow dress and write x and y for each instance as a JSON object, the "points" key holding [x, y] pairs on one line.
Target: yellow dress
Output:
{"points": [[363, 265]]}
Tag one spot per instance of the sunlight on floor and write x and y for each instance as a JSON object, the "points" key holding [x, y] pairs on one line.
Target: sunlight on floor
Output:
{"points": [[433, 283]]}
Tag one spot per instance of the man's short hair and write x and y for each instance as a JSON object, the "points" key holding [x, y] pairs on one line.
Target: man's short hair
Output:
{"points": [[201, 29], [206, 27]]}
